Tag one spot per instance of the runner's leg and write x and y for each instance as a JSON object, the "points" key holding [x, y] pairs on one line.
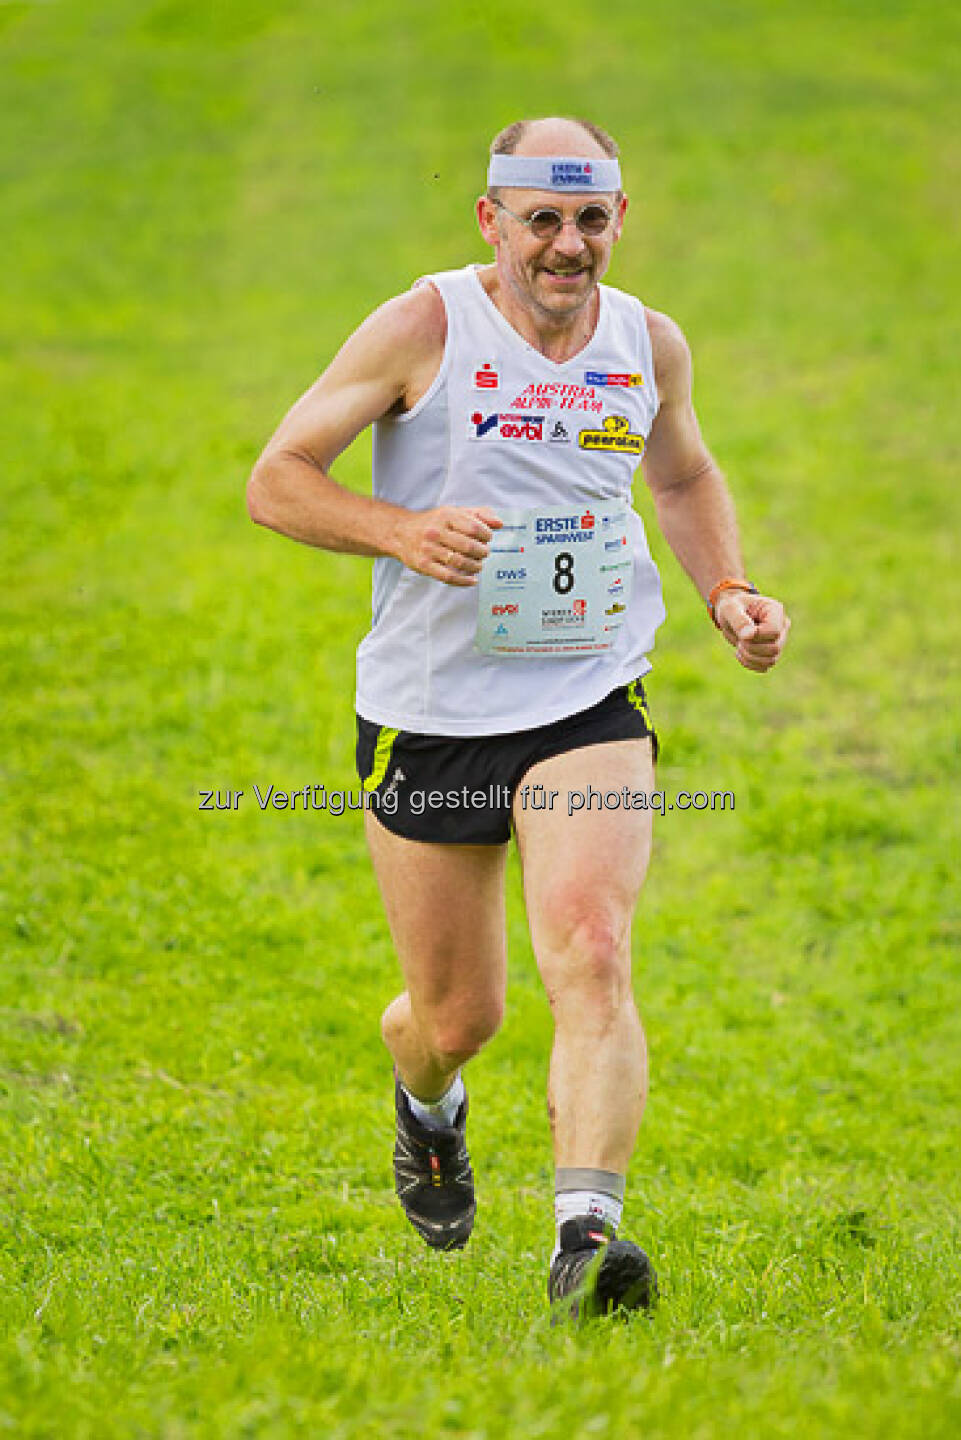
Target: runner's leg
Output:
{"points": [[582, 877], [445, 908]]}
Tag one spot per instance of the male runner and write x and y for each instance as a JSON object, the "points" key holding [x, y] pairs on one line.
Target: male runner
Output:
{"points": [[514, 605]]}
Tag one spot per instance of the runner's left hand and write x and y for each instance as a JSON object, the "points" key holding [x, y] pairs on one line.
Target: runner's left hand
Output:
{"points": [[756, 625]]}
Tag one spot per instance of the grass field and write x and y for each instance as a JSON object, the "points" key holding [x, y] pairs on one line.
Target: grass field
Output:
{"points": [[199, 1236]]}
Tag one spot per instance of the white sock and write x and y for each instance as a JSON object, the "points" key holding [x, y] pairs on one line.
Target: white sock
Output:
{"points": [[569, 1204], [438, 1114]]}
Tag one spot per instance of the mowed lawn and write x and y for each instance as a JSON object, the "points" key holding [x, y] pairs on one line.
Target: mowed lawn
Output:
{"points": [[198, 1234]]}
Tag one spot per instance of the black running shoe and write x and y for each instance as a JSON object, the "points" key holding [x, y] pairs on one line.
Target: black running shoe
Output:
{"points": [[432, 1176], [594, 1273]]}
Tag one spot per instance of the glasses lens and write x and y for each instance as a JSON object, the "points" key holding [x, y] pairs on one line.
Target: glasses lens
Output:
{"points": [[593, 220], [545, 224]]}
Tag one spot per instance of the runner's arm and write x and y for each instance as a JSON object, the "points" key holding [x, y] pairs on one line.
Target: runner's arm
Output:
{"points": [[694, 506], [291, 490]]}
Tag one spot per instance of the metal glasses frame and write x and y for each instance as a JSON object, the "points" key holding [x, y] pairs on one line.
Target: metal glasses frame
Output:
{"points": [[561, 220]]}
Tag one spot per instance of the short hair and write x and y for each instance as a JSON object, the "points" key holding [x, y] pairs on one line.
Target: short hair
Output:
{"points": [[506, 141]]}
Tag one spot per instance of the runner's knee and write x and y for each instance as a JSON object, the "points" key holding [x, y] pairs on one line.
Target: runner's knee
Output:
{"points": [[587, 964], [456, 1037]]}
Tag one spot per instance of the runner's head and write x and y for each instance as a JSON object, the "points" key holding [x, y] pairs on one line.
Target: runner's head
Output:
{"points": [[555, 274]]}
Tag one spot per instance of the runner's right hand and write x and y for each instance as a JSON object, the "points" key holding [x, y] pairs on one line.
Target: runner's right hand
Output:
{"points": [[449, 543]]}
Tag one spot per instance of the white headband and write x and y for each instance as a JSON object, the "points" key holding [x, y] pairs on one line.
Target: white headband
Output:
{"points": [[553, 172]]}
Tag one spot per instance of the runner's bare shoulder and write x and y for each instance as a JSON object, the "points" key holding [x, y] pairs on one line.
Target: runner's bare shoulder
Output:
{"points": [[382, 369], [414, 326], [672, 357]]}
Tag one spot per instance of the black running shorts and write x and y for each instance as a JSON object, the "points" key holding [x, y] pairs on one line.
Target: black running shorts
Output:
{"points": [[451, 790]]}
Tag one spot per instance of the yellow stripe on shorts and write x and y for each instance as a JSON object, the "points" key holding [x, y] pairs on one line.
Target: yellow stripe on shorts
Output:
{"points": [[385, 744], [639, 703]]}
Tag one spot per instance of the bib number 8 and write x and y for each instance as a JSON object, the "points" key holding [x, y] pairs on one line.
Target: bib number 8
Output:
{"points": [[564, 572]]}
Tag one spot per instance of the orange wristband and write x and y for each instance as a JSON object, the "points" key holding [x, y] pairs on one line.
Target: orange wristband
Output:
{"points": [[727, 584]]}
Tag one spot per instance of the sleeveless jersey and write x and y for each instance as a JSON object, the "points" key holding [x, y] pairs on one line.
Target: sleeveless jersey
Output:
{"points": [[505, 427]]}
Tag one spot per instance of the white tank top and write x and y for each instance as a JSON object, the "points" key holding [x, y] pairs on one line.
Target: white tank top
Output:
{"points": [[418, 669]]}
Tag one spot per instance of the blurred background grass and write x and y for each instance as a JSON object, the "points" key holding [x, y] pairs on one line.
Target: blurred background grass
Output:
{"points": [[199, 202]]}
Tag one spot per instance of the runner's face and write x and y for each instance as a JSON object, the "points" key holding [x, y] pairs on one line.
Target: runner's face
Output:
{"points": [[555, 277]]}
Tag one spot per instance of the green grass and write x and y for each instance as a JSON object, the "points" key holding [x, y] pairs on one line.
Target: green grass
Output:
{"points": [[199, 1236]]}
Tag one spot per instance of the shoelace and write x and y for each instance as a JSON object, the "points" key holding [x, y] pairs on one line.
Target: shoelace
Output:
{"points": [[446, 1156]]}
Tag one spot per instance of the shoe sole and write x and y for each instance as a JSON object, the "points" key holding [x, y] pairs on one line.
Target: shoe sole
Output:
{"points": [[439, 1236]]}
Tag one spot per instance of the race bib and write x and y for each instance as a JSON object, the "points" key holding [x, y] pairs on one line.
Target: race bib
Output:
{"points": [[556, 581]]}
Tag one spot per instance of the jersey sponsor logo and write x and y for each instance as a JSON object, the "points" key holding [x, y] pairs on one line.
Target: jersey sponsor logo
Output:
{"points": [[615, 544], [617, 437], [580, 607], [560, 619], [616, 586], [557, 395], [559, 434], [616, 608], [504, 609], [508, 427], [512, 577], [486, 376], [622, 378], [563, 529], [501, 629]]}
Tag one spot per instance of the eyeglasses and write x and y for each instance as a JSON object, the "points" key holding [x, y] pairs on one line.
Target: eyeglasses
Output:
{"points": [[547, 223]]}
